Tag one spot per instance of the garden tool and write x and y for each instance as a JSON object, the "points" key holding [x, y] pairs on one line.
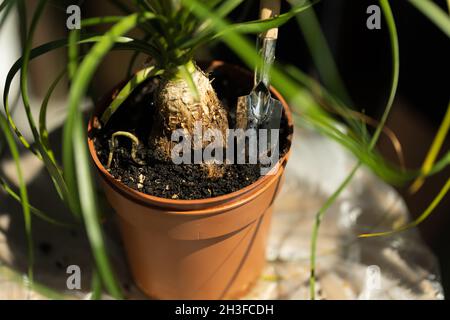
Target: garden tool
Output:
{"points": [[259, 110]]}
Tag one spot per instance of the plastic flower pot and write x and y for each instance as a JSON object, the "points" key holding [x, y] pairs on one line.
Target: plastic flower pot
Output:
{"points": [[211, 248]]}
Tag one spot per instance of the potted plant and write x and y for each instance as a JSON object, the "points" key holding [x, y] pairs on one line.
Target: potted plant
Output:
{"points": [[191, 230]]}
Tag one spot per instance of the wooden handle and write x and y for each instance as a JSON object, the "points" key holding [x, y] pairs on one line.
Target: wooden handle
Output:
{"points": [[270, 9]]}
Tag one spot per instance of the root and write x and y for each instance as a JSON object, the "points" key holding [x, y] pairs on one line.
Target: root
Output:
{"points": [[134, 147]]}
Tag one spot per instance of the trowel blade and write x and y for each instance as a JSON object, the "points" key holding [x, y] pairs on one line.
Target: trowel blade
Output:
{"points": [[247, 119]]}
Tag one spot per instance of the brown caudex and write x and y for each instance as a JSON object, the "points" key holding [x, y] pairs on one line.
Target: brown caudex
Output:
{"points": [[196, 249]]}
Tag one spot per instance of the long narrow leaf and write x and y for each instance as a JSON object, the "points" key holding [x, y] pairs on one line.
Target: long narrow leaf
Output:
{"points": [[12, 275], [394, 85], [5, 9], [317, 222], [96, 286], [321, 54], [186, 73], [75, 149], [43, 153], [24, 91], [436, 15], [255, 26], [38, 213], [5, 4], [429, 210], [434, 151], [24, 69], [23, 192], [43, 132], [122, 43]]}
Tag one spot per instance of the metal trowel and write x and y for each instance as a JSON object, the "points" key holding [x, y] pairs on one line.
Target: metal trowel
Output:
{"points": [[259, 110]]}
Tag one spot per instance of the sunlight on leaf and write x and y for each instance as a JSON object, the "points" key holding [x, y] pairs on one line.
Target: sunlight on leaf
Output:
{"points": [[442, 193], [433, 152]]}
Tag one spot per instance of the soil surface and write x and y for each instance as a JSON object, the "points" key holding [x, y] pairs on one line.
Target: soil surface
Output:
{"points": [[163, 179]]}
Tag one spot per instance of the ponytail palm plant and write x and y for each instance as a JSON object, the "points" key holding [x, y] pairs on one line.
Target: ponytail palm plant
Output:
{"points": [[171, 32]]}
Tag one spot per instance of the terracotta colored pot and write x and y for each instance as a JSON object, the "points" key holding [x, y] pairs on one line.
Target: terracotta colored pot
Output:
{"points": [[196, 249]]}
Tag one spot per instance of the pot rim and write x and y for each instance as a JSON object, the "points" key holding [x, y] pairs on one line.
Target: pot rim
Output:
{"points": [[221, 200]]}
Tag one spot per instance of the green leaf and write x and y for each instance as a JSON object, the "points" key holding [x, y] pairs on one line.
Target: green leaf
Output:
{"points": [[321, 54], [5, 9], [315, 233], [186, 71], [24, 69], [23, 192], [250, 27], [88, 22], [38, 213], [96, 286], [75, 149], [213, 3], [5, 4], [25, 98], [393, 36], [73, 52], [122, 43], [428, 211], [259, 26], [40, 148], [12, 275], [43, 132], [433, 153], [436, 15]]}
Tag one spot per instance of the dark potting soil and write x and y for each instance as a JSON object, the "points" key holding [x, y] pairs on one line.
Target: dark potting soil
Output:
{"points": [[164, 179]]}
